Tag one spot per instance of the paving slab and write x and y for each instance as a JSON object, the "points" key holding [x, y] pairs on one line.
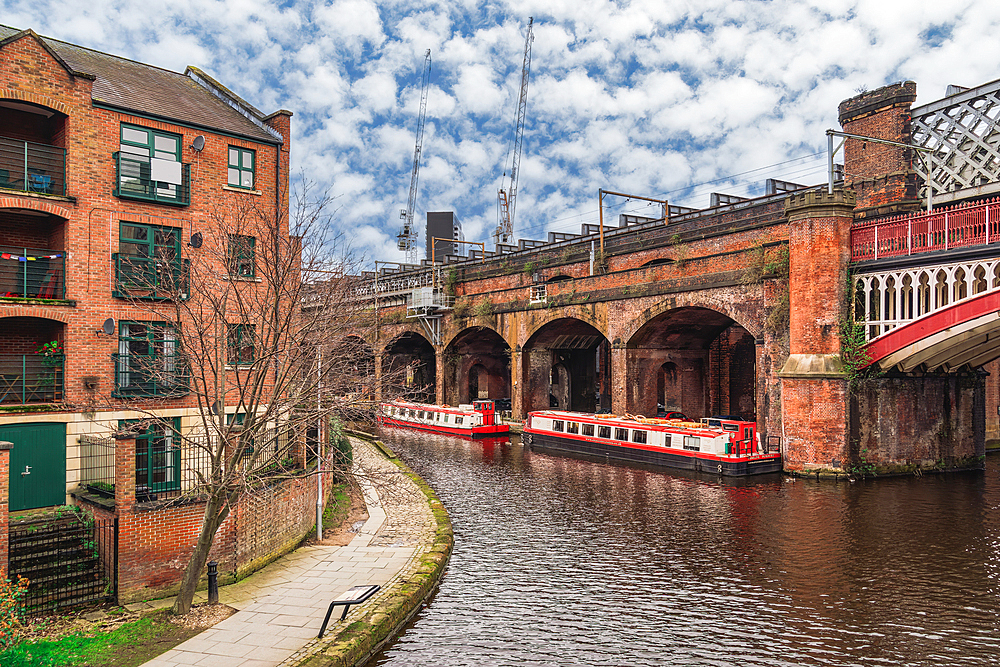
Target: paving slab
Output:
{"points": [[281, 608]]}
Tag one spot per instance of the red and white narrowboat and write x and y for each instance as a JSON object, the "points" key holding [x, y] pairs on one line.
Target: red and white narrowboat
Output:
{"points": [[475, 420], [717, 445]]}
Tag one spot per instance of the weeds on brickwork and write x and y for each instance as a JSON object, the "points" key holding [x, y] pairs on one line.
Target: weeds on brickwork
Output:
{"points": [[528, 269], [854, 356], [396, 317], [11, 609], [461, 309], [484, 310], [863, 466], [450, 280], [764, 264], [600, 262]]}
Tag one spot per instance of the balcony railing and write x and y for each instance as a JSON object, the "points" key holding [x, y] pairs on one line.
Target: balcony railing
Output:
{"points": [[134, 180], [160, 374], [31, 378], [149, 278], [31, 167], [32, 273]]}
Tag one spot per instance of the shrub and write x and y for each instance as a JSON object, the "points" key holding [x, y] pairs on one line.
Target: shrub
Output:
{"points": [[11, 609]]}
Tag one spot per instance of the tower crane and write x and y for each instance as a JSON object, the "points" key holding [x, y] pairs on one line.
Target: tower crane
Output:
{"points": [[506, 197], [408, 233]]}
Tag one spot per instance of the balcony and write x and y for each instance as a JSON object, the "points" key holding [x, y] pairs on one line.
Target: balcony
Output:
{"points": [[31, 378], [31, 273], [134, 179], [151, 278], [31, 167], [150, 375]]}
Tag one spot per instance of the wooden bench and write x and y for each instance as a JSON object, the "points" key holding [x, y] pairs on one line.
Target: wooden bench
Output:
{"points": [[353, 595]]}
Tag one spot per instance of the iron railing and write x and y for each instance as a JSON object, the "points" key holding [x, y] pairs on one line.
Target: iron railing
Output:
{"points": [[31, 167], [68, 561], [97, 465], [154, 374], [31, 378], [150, 278], [945, 228], [32, 273], [133, 180]]}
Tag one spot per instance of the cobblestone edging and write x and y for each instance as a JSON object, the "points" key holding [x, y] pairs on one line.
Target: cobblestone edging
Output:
{"points": [[375, 624]]}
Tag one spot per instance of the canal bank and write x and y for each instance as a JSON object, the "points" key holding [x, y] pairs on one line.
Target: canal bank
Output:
{"points": [[368, 628]]}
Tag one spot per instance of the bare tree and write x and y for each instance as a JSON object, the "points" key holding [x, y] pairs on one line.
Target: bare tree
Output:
{"points": [[262, 320]]}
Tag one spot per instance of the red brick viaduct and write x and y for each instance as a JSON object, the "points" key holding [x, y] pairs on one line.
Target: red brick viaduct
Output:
{"points": [[735, 309]]}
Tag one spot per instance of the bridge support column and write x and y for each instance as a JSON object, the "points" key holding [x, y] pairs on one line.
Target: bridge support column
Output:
{"points": [[378, 377], [619, 369], [516, 385], [814, 388], [439, 374]]}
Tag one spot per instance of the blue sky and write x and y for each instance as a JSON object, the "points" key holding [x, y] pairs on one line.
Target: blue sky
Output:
{"points": [[666, 99]]}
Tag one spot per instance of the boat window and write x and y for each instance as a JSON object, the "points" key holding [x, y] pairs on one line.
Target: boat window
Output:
{"points": [[572, 427], [692, 443], [445, 420], [747, 435], [638, 436], [409, 413], [557, 425], [731, 427], [604, 432], [621, 434], [588, 429], [458, 420]]}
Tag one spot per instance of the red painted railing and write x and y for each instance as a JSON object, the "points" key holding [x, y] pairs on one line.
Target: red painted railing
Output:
{"points": [[945, 228]]}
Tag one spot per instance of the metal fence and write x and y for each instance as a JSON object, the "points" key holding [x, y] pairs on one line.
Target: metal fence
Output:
{"points": [[135, 180], [32, 273], [151, 278], [97, 464], [31, 378], [31, 167], [68, 561]]}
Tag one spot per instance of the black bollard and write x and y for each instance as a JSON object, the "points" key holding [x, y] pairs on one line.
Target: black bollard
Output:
{"points": [[213, 582]]}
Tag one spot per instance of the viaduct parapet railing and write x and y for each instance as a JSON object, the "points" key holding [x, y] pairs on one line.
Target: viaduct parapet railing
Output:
{"points": [[946, 228], [885, 300]]}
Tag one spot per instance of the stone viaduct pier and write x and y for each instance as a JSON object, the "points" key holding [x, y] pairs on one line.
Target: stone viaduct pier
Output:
{"points": [[767, 308]]}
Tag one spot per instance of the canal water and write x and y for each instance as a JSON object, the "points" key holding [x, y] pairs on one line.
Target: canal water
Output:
{"points": [[566, 562]]}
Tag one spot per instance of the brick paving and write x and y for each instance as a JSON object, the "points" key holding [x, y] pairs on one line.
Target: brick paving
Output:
{"points": [[281, 608]]}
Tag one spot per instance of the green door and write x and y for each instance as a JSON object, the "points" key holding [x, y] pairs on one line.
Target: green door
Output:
{"points": [[37, 465]]}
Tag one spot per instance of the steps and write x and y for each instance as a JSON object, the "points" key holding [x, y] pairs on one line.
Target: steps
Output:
{"points": [[60, 555]]}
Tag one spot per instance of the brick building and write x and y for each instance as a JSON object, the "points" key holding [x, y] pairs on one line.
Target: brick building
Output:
{"points": [[114, 177]]}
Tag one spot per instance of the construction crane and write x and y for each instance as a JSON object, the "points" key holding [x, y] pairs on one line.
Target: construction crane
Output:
{"points": [[506, 197], [408, 234]]}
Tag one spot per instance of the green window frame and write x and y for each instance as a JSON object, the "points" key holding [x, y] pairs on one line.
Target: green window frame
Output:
{"points": [[247, 443], [138, 148], [242, 261], [242, 166], [148, 363], [157, 455], [149, 241], [240, 344]]}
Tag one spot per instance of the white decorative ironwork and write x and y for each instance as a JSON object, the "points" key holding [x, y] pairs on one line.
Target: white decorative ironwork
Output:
{"points": [[962, 129], [888, 299]]}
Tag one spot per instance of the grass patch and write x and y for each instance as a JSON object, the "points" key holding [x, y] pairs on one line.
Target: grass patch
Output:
{"points": [[338, 504], [130, 644]]}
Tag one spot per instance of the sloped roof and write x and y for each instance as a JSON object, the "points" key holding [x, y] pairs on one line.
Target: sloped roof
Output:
{"points": [[145, 89]]}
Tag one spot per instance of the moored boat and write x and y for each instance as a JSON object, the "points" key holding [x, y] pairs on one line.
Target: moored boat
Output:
{"points": [[469, 420], [723, 446]]}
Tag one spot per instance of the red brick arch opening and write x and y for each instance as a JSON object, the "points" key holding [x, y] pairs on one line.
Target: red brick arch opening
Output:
{"points": [[477, 365], [409, 369], [566, 363], [693, 360]]}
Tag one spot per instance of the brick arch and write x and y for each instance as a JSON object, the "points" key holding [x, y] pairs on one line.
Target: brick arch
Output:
{"points": [[561, 314], [696, 301], [34, 98], [451, 339], [403, 332], [41, 312], [35, 205]]}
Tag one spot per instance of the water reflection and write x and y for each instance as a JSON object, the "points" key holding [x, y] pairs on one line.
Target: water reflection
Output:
{"points": [[560, 561]]}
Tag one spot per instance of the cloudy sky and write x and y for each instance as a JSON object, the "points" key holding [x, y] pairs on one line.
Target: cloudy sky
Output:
{"points": [[668, 99]]}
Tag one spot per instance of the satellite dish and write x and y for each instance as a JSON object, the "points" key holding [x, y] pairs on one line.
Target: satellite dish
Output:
{"points": [[199, 143], [108, 328], [196, 240], [216, 408]]}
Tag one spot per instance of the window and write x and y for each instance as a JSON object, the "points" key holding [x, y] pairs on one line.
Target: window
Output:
{"points": [[157, 456], [557, 425], [639, 436], [692, 443], [621, 434], [147, 362], [604, 432], [240, 344], [246, 440], [241, 167], [459, 420], [573, 427], [446, 418], [240, 259], [148, 262], [149, 166], [588, 429]]}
